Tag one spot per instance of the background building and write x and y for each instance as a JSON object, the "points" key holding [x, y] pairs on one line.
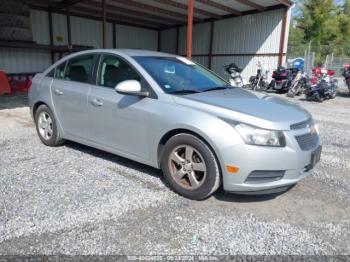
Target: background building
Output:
{"points": [[224, 31]]}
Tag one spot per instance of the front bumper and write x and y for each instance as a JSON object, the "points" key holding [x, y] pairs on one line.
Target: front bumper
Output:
{"points": [[292, 160]]}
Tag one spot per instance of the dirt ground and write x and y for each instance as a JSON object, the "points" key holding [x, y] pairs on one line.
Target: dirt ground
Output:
{"points": [[78, 200]]}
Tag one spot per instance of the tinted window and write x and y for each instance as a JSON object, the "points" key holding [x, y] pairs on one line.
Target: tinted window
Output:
{"points": [[59, 72], [113, 70], [79, 68], [178, 74]]}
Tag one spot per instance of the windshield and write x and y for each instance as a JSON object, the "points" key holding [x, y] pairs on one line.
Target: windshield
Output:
{"points": [[178, 75]]}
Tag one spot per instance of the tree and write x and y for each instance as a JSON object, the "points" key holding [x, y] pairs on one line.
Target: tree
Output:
{"points": [[322, 25]]}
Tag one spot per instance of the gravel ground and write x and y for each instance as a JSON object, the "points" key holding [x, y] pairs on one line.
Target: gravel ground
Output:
{"points": [[78, 200]]}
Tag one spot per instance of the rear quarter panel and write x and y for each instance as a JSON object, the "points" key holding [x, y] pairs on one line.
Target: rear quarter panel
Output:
{"points": [[40, 91]]}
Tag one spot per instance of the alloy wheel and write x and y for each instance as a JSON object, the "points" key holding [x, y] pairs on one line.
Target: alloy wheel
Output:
{"points": [[45, 125], [187, 167]]}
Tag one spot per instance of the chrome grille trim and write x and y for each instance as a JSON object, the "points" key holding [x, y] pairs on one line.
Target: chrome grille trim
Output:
{"points": [[301, 125], [308, 141], [260, 177]]}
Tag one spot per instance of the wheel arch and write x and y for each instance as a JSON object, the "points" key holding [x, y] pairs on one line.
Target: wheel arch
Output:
{"points": [[36, 106], [177, 131]]}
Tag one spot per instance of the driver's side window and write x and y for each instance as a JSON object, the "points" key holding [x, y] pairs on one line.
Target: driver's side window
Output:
{"points": [[113, 70]]}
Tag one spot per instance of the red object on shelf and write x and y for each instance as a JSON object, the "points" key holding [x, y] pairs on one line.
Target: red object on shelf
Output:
{"points": [[21, 86], [4, 84]]}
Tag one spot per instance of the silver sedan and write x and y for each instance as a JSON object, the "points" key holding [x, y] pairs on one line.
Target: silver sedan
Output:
{"points": [[168, 112]]}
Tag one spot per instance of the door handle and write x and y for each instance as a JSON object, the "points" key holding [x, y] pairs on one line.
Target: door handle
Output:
{"points": [[96, 102], [58, 92]]}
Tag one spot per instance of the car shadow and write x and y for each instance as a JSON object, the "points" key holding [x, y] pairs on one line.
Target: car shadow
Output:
{"points": [[221, 195], [119, 160]]}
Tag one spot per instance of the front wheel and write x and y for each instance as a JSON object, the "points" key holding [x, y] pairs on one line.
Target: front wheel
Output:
{"points": [[190, 167]]}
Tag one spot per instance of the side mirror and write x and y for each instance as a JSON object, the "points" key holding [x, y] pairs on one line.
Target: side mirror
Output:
{"points": [[130, 87]]}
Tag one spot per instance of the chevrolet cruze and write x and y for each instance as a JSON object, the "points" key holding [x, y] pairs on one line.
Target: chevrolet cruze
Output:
{"points": [[168, 112]]}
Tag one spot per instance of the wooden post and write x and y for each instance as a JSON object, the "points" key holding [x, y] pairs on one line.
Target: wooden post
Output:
{"points": [[104, 22], [283, 37], [189, 29]]}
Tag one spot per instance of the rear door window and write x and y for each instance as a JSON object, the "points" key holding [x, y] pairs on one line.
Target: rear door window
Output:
{"points": [[79, 69]]}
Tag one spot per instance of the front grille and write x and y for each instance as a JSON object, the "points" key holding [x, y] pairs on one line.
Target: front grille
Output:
{"points": [[301, 125], [308, 141], [259, 177]]}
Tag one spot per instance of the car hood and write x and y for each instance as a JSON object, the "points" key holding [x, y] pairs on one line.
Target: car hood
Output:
{"points": [[245, 106]]}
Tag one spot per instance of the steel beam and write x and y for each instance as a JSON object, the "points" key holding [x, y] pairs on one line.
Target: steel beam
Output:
{"points": [[189, 29]]}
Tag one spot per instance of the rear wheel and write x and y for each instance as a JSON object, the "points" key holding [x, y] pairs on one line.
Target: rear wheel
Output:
{"points": [[46, 126], [318, 98], [190, 167]]}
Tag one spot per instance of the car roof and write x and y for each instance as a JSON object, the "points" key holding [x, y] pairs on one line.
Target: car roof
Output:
{"points": [[129, 52]]}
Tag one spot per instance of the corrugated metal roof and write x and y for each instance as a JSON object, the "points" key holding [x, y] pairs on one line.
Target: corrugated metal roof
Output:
{"points": [[166, 13]]}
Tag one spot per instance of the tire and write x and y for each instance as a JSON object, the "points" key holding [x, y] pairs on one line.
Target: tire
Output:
{"points": [[209, 181], [318, 98], [12, 33], [18, 7], [17, 21], [290, 94], [54, 139]]}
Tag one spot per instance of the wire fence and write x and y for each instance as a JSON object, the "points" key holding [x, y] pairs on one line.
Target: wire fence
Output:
{"points": [[331, 57]]}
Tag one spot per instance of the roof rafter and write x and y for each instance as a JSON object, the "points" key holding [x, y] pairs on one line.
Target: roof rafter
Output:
{"points": [[151, 8], [220, 6], [117, 9], [251, 4], [184, 7], [117, 17], [65, 4], [285, 2]]}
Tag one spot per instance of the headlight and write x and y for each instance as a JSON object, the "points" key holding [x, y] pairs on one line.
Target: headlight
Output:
{"points": [[260, 137]]}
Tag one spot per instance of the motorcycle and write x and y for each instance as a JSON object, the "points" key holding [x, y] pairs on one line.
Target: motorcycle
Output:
{"points": [[323, 86], [280, 79], [346, 74], [298, 84], [235, 75], [259, 82]]}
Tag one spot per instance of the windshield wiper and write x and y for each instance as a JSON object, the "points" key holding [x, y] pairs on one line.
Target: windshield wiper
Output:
{"points": [[216, 88], [184, 91]]}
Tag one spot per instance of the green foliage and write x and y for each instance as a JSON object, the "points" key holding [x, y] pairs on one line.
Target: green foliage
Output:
{"points": [[322, 25]]}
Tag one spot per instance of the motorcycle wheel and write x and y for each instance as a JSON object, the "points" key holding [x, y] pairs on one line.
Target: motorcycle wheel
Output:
{"points": [[318, 98], [290, 94]]}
